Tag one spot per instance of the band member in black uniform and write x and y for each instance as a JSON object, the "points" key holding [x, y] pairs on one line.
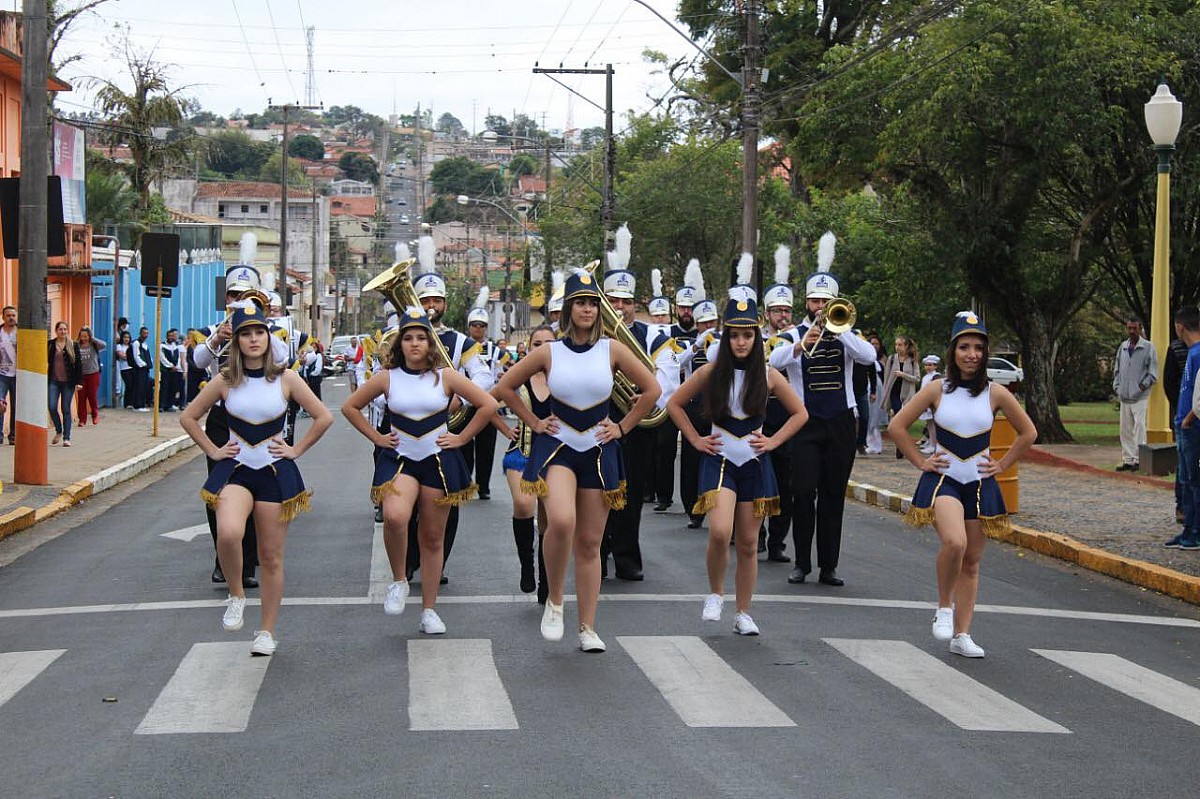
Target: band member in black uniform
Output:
{"points": [[666, 436], [430, 288], [694, 356], [621, 536], [823, 451], [777, 301], [480, 451]]}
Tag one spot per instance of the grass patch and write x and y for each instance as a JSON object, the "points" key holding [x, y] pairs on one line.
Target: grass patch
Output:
{"points": [[1090, 412], [1095, 434]]}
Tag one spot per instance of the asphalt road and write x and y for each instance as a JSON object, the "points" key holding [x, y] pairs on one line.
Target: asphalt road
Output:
{"points": [[117, 680]]}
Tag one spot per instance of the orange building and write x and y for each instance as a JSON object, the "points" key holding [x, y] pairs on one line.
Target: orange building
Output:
{"points": [[68, 286]]}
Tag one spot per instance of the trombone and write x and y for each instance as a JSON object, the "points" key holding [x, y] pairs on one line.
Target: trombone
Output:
{"points": [[838, 316]]}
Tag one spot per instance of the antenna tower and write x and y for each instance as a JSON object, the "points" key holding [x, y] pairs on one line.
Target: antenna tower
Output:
{"points": [[310, 77]]}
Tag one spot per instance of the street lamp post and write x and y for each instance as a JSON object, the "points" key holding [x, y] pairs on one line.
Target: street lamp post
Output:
{"points": [[1164, 115], [463, 199]]}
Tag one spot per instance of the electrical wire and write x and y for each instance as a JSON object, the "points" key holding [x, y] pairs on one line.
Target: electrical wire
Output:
{"points": [[262, 83], [282, 60]]}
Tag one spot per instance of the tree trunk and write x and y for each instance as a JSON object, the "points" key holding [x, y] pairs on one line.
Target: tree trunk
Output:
{"points": [[1041, 399]]}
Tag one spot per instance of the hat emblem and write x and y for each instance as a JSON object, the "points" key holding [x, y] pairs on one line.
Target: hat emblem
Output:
{"points": [[821, 281], [622, 280], [741, 306], [414, 314], [585, 280], [251, 311], [972, 320]]}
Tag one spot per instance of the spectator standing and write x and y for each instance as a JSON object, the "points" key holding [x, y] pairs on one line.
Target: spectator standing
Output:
{"points": [[864, 379], [1172, 378], [314, 367], [90, 348], [929, 445], [170, 361], [1187, 430], [1135, 370], [8, 369], [125, 367], [63, 374], [901, 377], [878, 416], [140, 360]]}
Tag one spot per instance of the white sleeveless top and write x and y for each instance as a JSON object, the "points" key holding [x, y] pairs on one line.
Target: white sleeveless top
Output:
{"points": [[736, 428], [964, 430], [580, 386], [417, 411], [256, 411]]}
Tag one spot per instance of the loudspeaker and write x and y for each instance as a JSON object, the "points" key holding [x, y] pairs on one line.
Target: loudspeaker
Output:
{"points": [[10, 217], [160, 249]]}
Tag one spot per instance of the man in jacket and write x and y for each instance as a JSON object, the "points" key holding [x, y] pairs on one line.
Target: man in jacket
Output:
{"points": [[1135, 370]]}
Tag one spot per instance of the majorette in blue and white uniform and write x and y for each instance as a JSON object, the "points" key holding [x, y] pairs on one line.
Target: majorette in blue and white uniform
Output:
{"points": [[964, 431], [514, 459], [417, 412], [581, 382], [739, 468], [256, 408]]}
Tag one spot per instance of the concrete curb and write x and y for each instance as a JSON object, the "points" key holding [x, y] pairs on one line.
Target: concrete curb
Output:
{"points": [[22, 518], [1140, 573]]}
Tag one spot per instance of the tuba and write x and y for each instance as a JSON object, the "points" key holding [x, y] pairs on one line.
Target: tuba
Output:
{"points": [[395, 284], [625, 391]]}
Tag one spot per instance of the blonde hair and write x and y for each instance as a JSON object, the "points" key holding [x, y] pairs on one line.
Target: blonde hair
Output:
{"points": [[234, 371]]}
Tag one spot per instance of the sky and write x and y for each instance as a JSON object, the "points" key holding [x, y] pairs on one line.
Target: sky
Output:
{"points": [[462, 56]]}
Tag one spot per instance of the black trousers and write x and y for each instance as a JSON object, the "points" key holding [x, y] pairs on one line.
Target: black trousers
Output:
{"points": [[689, 460], [822, 457], [666, 441], [623, 530], [777, 526], [141, 381], [217, 429], [480, 455]]}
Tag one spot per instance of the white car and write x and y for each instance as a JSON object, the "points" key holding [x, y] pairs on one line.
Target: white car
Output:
{"points": [[1004, 372]]}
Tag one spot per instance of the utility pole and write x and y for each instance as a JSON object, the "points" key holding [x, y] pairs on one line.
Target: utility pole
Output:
{"points": [[281, 275], [751, 53], [29, 460], [315, 283], [419, 160]]}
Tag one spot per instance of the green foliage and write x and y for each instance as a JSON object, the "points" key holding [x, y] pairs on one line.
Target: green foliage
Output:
{"points": [[358, 166], [271, 168], [110, 201], [454, 176], [448, 123], [523, 164], [306, 146], [233, 154]]}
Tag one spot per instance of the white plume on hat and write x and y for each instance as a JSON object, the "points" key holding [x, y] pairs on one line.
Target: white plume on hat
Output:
{"points": [[783, 264], [619, 257], [481, 299], [656, 282], [744, 268], [248, 249], [693, 276], [825, 250], [402, 252], [557, 281], [426, 254], [267, 281]]}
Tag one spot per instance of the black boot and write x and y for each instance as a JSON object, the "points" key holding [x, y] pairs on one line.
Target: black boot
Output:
{"points": [[523, 534], [543, 588]]}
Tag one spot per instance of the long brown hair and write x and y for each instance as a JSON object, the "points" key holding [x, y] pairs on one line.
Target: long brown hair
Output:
{"points": [[567, 324], [954, 375], [720, 379], [69, 350], [234, 371]]}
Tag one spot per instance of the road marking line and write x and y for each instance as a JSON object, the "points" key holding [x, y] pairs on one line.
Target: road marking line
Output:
{"points": [[525, 599], [213, 690], [381, 568], [454, 685], [18, 669], [703, 689], [187, 533], [946, 691], [1146, 685]]}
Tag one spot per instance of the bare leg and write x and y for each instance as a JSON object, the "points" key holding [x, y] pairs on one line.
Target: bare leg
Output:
{"points": [[397, 510], [720, 529], [272, 532], [745, 529], [560, 528], [591, 515], [948, 521], [431, 534], [523, 504], [966, 589], [233, 508]]}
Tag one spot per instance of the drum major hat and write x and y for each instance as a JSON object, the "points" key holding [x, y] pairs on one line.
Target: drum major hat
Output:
{"points": [[580, 284], [415, 317], [741, 313], [241, 277], [248, 314], [968, 322], [620, 283]]}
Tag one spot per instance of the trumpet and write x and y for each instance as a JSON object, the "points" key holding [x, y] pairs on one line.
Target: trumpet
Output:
{"points": [[257, 297], [625, 391], [838, 316]]}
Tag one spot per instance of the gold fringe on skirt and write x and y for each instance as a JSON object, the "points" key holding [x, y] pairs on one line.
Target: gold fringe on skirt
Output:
{"points": [[706, 502], [457, 497], [918, 517], [537, 488], [996, 526], [210, 499], [288, 510], [766, 506], [615, 499]]}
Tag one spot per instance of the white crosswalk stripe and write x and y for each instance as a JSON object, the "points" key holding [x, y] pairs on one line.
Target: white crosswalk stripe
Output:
{"points": [[699, 685], [1145, 685], [18, 669], [454, 685], [213, 690], [944, 690]]}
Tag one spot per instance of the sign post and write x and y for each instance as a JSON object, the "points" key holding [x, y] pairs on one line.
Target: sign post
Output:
{"points": [[160, 258]]}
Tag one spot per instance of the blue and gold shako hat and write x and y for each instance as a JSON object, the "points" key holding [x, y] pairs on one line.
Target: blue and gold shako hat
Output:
{"points": [[415, 317], [580, 284], [968, 322], [247, 315], [741, 312]]}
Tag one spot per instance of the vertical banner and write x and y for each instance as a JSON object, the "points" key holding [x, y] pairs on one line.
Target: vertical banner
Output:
{"points": [[69, 165]]}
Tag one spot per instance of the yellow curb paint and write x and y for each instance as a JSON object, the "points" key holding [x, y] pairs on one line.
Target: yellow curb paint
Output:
{"points": [[1056, 545], [16, 520]]}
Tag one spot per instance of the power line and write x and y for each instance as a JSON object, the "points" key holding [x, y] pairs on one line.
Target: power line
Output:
{"points": [[282, 60], [262, 83]]}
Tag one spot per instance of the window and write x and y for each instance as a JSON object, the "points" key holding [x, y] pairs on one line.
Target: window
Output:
{"points": [[262, 209], [220, 210], [245, 208]]}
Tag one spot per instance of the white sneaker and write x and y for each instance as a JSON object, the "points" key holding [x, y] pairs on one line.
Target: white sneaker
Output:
{"points": [[712, 607], [431, 623], [744, 625], [589, 641], [552, 622], [962, 644], [234, 607], [393, 603], [264, 644], [943, 624]]}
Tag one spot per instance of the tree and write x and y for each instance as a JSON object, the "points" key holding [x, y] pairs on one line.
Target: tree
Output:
{"points": [[60, 17], [498, 125], [233, 154], [358, 166], [591, 137], [110, 201], [460, 175], [448, 123], [523, 164], [150, 103], [272, 166], [306, 146]]}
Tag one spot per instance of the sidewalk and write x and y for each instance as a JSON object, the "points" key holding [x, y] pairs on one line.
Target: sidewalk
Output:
{"points": [[1071, 491], [101, 456]]}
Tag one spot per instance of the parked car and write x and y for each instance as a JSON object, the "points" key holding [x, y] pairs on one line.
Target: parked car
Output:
{"points": [[1004, 372]]}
